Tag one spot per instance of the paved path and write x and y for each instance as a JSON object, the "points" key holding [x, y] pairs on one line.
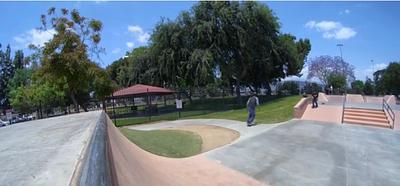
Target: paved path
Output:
{"points": [[44, 152], [302, 152], [316, 153]]}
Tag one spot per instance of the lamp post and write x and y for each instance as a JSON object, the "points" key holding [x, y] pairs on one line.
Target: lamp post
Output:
{"points": [[372, 76], [341, 58]]}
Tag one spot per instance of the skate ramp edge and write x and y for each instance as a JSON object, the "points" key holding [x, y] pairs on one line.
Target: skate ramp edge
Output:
{"points": [[94, 168], [111, 159]]}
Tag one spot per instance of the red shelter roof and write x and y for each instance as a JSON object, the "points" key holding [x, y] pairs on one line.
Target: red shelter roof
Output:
{"points": [[141, 90]]}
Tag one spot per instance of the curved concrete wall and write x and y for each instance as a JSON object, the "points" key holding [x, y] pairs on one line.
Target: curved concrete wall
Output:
{"points": [[95, 169]]}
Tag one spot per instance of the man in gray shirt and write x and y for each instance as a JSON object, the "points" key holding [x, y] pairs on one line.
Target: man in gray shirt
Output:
{"points": [[251, 108]]}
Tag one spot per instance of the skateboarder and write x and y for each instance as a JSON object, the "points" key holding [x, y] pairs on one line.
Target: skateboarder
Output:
{"points": [[314, 100], [251, 108]]}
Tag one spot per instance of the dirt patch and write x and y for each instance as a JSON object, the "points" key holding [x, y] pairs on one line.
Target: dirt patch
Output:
{"points": [[212, 136]]}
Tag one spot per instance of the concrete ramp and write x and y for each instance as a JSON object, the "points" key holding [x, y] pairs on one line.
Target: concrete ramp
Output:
{"points": [[354, 98], [54, 151], [134, 166], [87, 149]]}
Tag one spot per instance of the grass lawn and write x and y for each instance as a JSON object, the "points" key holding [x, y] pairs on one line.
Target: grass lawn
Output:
{"points": [[270, 111], [169, 143], [273, 111]]}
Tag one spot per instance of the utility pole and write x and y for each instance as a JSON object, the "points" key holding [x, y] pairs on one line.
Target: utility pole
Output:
{"points": [[341, 58]]}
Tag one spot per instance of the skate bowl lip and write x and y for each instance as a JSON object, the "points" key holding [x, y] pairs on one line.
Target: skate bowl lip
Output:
{"points": [[111, 159]]}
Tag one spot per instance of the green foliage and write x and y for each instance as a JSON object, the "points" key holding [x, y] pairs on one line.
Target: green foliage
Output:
{"points": [[65, 61], [238, 43], [391, 78], [309, 88], [28, 98], [337, 81], [357, 87], [368, 87], [6, 73], [288, 88]]}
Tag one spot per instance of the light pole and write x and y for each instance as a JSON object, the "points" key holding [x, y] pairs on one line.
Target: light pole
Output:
{"points": [[341, 58], [372, 76]]}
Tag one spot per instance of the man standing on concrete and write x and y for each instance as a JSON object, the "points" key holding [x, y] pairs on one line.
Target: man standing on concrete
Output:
{"points": [[314, 99], [251, 108]]}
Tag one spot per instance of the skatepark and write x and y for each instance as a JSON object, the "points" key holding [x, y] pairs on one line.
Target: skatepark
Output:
{"points": [[87, 149]]}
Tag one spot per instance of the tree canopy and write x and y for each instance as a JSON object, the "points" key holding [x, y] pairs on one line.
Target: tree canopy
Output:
{"points": [[238, 44], [322, 67]]}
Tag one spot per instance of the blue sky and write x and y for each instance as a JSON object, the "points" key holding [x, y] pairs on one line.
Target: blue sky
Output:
{"points": [[368, 30]]}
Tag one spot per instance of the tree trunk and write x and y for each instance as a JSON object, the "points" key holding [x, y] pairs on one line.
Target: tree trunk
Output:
{"points": [[238, 97], [268, 90], [74, 102], [104, 105]]}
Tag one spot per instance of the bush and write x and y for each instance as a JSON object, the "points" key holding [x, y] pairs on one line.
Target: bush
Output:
{"points": [[312, 87], [288, 88]]}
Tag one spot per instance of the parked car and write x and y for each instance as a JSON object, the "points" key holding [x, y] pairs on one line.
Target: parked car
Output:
{"points": [[3, 123]]}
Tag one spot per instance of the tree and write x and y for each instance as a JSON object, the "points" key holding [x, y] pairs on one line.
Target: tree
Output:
{"points": [[288, 88], [379, 86], [357, 87], [391, 79], [19, 61], [309, 88], [368, 87], [337, 81], [6, 74], [323, 66], [66, 61]]}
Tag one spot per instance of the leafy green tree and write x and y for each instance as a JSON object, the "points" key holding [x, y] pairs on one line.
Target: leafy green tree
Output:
{"points": [[65, 60], [357, 87], [6, 73], [309, 88], [19, 61], [369, 87], [337, 81], [379, 86], [288, 88], [391, 79]]}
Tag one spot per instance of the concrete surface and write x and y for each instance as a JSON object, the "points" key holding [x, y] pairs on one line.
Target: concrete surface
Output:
{"points": [[134, 166], [324, 113], [241, 127], [316, 153], [44, 152]]}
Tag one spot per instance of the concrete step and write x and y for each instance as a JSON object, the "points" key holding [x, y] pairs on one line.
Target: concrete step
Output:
{"points": [[372, 111], [366, 118], [376, 115], [368, 123]]}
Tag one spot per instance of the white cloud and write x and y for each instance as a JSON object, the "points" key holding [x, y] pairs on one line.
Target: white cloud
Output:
{"points": [[368, 72], [35, 37], [116, 50], [139, 34], [346, 11], [332, 29], [129, 44]]}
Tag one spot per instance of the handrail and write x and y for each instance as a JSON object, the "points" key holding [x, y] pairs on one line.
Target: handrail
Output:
{"points": [[386, 106], [343, 106]]}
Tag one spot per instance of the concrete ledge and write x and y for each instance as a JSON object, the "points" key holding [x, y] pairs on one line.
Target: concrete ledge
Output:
{"points": [[94, 169], [301, 107]]}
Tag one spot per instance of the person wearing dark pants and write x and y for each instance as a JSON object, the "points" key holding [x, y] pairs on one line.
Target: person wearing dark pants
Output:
{"points": [[314, 100], [251, 108]]}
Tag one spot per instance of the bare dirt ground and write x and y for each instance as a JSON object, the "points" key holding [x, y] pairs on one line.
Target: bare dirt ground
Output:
{"points": [[212, 136]]}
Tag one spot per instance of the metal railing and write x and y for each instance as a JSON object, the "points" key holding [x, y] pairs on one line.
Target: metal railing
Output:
{"points": [[386, 107], [343, 106]]}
